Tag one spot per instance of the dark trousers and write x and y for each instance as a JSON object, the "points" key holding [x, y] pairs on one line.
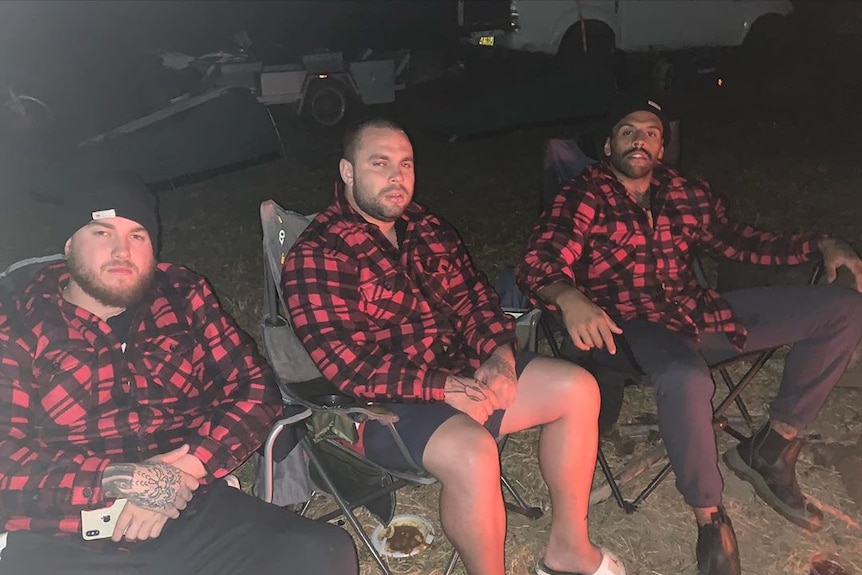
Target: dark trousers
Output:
{"points": [[822, 323], [223, 532]]}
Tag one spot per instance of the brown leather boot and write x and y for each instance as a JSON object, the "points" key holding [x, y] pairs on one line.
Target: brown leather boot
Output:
{"points": [[717, 553], [768, 461]]}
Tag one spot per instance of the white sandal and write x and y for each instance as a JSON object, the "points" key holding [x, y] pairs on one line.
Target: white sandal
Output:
{"points": [[610, 565]]}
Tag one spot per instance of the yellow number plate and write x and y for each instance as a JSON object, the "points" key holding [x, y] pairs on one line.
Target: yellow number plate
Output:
{"points": [[486, 41]]}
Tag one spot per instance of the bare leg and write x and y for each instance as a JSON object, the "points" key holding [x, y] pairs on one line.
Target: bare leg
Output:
{"points": [[463, 456], [565, 399]]}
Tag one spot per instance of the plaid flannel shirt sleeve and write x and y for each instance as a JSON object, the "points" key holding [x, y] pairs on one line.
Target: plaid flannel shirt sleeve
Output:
{"points": [[38, 480], [744, 243], [322, 297], [475, 306], [246, 401], [557, 242]]}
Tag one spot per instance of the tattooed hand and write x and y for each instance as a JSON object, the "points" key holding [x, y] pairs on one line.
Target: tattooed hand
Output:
{"points": [[469, 396], [154, 484], [498, 374]]}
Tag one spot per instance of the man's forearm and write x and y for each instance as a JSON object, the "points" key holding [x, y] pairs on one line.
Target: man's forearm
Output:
{"points": [[559, 293]]}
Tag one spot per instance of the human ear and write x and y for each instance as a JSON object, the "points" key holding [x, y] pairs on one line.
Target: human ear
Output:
{"points": [[345, 168]]}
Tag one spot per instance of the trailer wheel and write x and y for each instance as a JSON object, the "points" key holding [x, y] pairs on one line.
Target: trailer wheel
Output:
{"points": [[326, 103]]}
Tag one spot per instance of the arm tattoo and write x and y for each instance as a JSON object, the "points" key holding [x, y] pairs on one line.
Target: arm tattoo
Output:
{"points": [[149, 484], [494, 366], [473, 391]]}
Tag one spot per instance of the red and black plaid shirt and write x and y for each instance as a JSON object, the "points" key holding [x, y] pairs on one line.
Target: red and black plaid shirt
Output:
{"points": [[72, 401], [382, 322], [596, 237]]}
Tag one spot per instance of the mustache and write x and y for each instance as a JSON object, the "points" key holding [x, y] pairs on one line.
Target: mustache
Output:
{"points": [[641, 150], [116, 264], [392, 188]]}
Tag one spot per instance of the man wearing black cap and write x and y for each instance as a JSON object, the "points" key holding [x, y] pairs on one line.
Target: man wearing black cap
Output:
{"points": [[125, 388], [613, 254]]}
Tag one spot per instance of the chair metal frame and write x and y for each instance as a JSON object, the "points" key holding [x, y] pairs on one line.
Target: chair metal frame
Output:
{"points": [[297, 398], [720, 422]]}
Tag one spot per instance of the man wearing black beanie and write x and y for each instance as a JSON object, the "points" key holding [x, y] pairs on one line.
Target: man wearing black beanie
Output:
{"points": [[128, 395], [613, 254]]}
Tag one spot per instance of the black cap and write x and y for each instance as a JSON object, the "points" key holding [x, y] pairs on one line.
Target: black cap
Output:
{"points": [[627, 104], [109, 195]]}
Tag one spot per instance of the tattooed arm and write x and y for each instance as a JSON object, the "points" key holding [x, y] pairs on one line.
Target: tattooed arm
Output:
{"points": [[470, 396]]}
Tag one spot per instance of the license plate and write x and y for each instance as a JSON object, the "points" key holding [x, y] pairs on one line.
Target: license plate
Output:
{"points": [[486, 41]]}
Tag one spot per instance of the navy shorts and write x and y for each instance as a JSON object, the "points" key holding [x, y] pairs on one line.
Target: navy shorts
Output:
{"points": [[417, 423]]}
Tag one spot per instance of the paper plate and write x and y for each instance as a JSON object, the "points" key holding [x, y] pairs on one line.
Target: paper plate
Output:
{"points": [[416, 534]]}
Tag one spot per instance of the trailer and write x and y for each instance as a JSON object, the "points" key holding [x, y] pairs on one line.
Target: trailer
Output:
{"points": [[323, 87]]}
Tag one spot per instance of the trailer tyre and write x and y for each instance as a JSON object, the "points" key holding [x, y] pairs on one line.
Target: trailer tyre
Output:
{"points": [[326, 103]]}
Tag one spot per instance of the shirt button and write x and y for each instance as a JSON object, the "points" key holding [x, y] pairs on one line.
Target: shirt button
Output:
{"points": [[222, 466], [36, 497], [55, 365], [88, 492]]}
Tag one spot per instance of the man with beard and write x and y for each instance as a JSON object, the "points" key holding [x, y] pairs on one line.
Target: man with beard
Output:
{"points": [[389, 305], [613, 255], [123, 380]]}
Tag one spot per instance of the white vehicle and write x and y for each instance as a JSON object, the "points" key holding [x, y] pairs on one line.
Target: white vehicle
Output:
{"points": [[569, 28]]}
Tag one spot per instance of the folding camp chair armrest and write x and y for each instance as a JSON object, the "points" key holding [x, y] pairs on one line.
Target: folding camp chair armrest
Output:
{"points": [[268, 471], [816, 273], [376, 413]]}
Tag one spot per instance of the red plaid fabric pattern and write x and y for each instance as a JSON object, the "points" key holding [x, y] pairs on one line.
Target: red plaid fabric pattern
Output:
{"points": [[596, 237], [385, 323], [72, 401]]}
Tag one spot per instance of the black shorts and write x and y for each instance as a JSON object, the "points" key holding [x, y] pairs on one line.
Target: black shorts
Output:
{"points": [[417, 423]]}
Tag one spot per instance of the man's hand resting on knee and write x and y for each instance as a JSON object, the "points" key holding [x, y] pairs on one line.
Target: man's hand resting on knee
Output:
{"points": [[498, 374], [156, 490], [837, 253], [470, 396], [588, 325]]}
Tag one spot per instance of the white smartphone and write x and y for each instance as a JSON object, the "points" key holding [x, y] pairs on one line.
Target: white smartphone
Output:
{"points": [[99, 523]]}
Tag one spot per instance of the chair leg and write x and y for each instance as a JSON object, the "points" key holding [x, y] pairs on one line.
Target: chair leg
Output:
{"points": [[728, 381], [548, 332], [453, 560], [343, 505], [612, 482], [736, 390], [656, 481], [520, 506]]}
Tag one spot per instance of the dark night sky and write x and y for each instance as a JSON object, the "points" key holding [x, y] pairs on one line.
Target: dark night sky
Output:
{"points": [[201, 25]]}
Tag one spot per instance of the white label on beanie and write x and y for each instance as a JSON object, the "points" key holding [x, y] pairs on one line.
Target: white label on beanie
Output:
{"points": [[102, 214]]}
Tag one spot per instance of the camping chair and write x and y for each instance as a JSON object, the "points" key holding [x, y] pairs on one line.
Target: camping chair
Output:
{"points": [[563, 160], [331, 455]]}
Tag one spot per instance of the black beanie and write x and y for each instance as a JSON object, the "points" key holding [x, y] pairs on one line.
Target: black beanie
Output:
{"points": [[628, 103], [109, 195]]}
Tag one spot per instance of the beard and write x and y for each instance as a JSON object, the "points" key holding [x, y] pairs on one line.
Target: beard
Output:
{"points": [[121, 297], [372, 204], [634, 172]]}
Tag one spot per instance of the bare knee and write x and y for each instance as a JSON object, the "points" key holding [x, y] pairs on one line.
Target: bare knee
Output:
{"points": [[579, 391], [463, 454]]}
